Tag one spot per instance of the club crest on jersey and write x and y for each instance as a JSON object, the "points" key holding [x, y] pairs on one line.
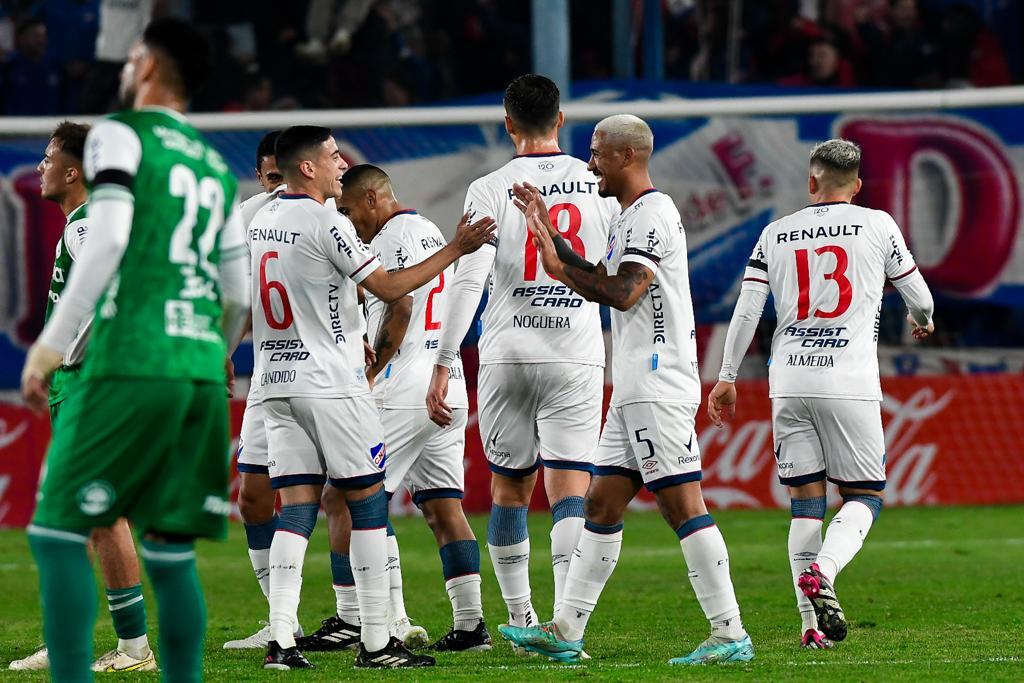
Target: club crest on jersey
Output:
{"points": [[611, 248], [95, 498], [379, 455]]}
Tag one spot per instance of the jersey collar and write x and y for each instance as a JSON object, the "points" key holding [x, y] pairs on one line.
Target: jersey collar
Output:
{"points": [[643, 194], [294, 195], [164, 110], [74, 211], [401, 212], [539, 154], [824, 204]]}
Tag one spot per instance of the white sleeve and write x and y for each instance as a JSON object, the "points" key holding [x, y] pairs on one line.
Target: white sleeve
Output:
{"points": [[393, 252], [480, 205], [234, 278], [344, 249], [916, 295], [463, 299], [899, 263], [755, 276], [648, 244], [112, 155], [74, 237], [744, 321]]}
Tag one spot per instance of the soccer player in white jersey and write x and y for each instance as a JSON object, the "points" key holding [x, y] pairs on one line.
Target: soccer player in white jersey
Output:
{"points": [[648, 438], [826, 266], [425, 458], [541, 349], [321, 423]]}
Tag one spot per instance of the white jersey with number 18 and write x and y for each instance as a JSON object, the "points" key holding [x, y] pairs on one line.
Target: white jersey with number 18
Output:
{"points": [[530, 317], [826, 266]]}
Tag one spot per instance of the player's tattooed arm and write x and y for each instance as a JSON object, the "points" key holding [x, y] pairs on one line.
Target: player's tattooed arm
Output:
{"points": [[620, 291], [392, 331]]}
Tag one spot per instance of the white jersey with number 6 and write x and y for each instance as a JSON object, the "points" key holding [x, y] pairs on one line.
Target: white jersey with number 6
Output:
{"points": [[307, 323], [406, 239], [530, 317], [826, 266]]}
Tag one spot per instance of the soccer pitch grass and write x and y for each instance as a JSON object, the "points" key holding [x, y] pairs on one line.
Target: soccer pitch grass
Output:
{"points": [[936, 594]]}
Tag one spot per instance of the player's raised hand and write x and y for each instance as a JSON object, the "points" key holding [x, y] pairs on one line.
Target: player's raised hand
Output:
{"points": [[529, 200], [439, 411], [722, 402], [918, 331], [471, 236], [545, 245], [40, 365]]}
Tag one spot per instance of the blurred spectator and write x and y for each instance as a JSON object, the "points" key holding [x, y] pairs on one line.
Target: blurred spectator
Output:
{"points": [[824, 67], [121, 24], [31, 80], [72, 26], [972, 55], [780, 39], [331, 25], [905, 55]]}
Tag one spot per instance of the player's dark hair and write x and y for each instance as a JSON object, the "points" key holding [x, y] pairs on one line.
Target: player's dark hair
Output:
{"points": [[187, 49], [532, 102], [363, 175], [71, 137], [266, 147], [296, 141]]}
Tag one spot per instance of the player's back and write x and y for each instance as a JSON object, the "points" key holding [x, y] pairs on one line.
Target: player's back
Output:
{"points": [[406, 239], [826, 266], [530, 317], [307, 324], [160, 316]]}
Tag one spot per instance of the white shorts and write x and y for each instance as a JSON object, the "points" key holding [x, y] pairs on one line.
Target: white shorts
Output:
{"points": [[252, 440], [313, 440], [834, 438], [425, 458], [553, 409], [653, 443]]}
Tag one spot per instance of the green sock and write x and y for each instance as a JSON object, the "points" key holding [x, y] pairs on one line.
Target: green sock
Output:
{"points": [[68, 591], [128, 611], [180, 608]]}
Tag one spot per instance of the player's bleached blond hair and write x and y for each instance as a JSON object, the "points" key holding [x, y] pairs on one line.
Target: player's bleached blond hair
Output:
{"points": [[836, 161], [626, 130]]}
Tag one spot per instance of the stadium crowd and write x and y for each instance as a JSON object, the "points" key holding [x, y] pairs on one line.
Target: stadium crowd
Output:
{"points": [[63, 56]]}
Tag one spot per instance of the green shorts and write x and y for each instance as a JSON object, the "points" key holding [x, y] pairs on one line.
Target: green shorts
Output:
{"points": [[152, 450]]}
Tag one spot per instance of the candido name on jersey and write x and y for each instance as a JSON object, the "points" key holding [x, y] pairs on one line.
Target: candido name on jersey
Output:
{"points": [[820, 231], [566, 187], [819, 337]]}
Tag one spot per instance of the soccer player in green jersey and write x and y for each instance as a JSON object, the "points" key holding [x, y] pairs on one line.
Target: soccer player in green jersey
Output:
{"points": [[62, 180], [144, 433]]}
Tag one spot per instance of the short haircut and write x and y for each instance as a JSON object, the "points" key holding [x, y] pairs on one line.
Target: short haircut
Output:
{"points": [[266, 147], [838, 159], [532, 102], [363, 176], [71, 137], [187, 49], [626, 130], [296, 141]]}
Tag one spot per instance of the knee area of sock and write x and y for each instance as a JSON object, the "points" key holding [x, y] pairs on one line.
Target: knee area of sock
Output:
{"points": [[566, 508], [298, 519], [459, 558], [693, 525], [808, 508], [370, 512], [873, 503], [507, 525]]}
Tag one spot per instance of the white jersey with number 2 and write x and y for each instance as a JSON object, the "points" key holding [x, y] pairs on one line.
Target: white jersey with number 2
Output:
{"points": [[826, 266]]}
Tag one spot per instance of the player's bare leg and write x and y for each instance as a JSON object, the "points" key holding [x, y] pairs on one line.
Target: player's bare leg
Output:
{"points": [[807, 506], [843, 539], [341, 631], [508, 542], [565, 489], [115, 550], [460, 563], [300, 506]]}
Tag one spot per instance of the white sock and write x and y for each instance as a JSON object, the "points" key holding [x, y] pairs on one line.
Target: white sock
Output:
{"points": [[396, 602], [592, 565], [260, 560], [512, 569], [708, 562], [467, 607], [564, 535], [287, 554], [804, 544], [137, 648], [369, 552], [843, 538], [346, 603]]}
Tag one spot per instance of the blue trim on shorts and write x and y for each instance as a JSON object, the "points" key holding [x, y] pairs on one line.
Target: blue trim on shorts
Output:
{"points": [[673, 480], [421, 497], [870, 485], [616, 471], [513, 472], [253, 469], [568, 465], [287, 480], [361, 482], [802, 479]]}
